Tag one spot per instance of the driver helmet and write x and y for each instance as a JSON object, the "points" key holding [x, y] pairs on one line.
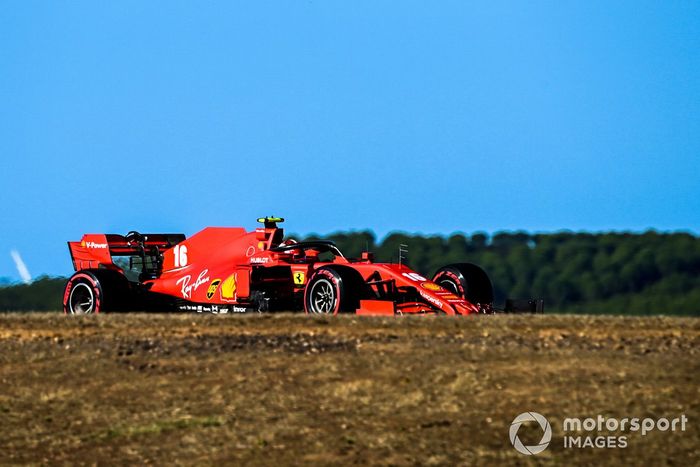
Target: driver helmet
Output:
{"points": [[295, 252]]}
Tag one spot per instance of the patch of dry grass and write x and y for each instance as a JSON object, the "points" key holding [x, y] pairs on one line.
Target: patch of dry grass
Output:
{"points": [[286, 389]]}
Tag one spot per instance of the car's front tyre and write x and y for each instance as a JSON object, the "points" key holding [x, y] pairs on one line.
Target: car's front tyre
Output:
{"points": [[332, 290], [466, 280]]}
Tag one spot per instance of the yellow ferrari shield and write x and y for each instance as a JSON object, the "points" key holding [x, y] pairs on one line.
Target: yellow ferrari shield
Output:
{"points": [[299, 278]]}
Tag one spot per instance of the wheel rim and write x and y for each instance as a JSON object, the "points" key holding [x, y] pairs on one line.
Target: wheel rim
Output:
{"points": [[449, 285], [81, 300], [323, 297]]}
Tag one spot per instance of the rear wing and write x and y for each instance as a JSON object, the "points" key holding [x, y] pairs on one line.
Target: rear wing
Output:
{"points": [[96, 250]]}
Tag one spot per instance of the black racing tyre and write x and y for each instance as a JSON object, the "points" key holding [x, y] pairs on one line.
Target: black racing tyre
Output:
{"points": [[95, 291], [467, 281], [334, 289]]}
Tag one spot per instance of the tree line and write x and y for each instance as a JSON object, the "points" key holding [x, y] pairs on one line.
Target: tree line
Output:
{"points": [[619, 273], [614, 273]]}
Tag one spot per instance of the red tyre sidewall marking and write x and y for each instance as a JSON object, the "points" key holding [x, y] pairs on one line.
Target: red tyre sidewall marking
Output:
{"points": [[454, 278], [69, 289], [333, 280]]}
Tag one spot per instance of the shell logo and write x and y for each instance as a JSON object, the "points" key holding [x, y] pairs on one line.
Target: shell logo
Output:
{"points": [[228, 288], [431, 286]]}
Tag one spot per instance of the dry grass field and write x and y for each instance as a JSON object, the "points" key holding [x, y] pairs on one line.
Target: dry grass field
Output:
{"points": [[289, 389]]}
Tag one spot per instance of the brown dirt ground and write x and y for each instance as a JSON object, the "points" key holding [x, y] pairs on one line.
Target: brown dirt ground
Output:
{"points": [[289, 389]]}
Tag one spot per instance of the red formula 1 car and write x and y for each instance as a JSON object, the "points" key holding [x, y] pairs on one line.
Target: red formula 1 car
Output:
{"points": [[229, 270]]}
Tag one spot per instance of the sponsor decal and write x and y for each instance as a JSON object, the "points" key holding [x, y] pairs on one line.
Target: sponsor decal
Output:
{"points": [[431, 286], [215, 309], [431, 299], [187, 287], [450, 297], [212, 288], [228, 288], [239, 309], [85, 244], [299, 278], [261, 245], [263, 260]]}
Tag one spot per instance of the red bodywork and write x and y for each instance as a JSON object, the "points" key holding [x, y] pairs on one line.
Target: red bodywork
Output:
{"points": [[223, 269]]}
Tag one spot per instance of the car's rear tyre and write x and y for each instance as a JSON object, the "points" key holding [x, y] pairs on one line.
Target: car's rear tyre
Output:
{"points": [[95, 291], [334, 289], [467, 281]]}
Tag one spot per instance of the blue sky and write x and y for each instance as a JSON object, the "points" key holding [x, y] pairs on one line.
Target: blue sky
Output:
{"points": [[428, 117]]}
